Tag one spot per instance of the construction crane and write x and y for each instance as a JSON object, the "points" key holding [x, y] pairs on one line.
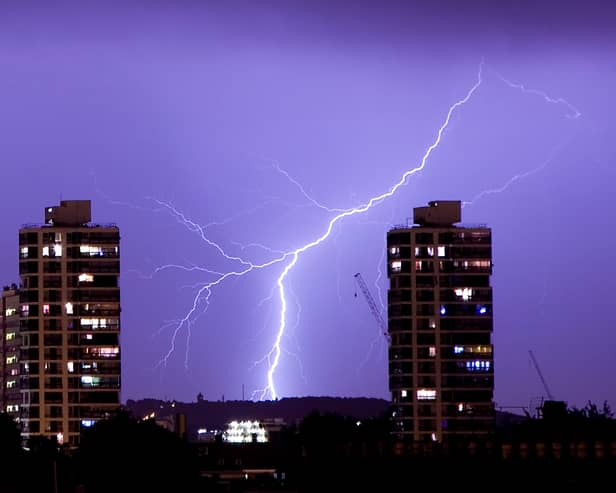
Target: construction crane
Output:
{"points": [[545, 385], [371, 304]]}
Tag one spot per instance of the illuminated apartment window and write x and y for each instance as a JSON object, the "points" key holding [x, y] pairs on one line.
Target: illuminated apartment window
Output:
{"points": [[426, 394], [12, 408], [70, 366], [432, 351], [92, 251], [394, 251], [87, 423], [403, 393], [86, 278], [430, 251], [443, 310], [11, 359], [45, 251], [23, 252], [10, 336], [9, 312], [441, 251], [432, 323], [14, 372], [464, 293], [69, 308], [25, 310], [396, 266], [57, 250], [10, 384], [458, 349], [45, 309]]}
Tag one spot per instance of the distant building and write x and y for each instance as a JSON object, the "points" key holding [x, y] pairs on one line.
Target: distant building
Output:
{"points": [[441, 365], [10, 396], [70, 322]]}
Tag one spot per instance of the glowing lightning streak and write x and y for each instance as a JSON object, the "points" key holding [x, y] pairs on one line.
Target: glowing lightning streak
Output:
{"points": [[575, 113], [275, 350]]}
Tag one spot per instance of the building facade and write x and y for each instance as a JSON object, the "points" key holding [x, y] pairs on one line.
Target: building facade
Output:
{"points": [[70, 322], [10, 396], [441, 360]]}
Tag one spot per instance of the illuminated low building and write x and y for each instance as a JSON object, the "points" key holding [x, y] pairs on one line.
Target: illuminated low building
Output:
{"points": [[245, 432]]}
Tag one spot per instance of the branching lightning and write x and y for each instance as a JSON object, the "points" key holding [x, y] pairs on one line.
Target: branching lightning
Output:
{"points": [[289, 259]]}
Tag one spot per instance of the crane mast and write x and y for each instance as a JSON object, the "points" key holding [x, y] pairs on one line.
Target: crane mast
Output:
{"points": [[545, 385], [372, 304]]}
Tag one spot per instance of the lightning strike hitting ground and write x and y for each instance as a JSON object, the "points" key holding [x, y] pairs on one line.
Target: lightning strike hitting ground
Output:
{"points": [[290, 258]]}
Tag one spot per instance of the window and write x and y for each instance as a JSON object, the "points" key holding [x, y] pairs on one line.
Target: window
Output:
{"points": [[458, 349], [9, 312], [87, 423], [430, 251], [11, 359], [86, 278], [57, 250], [90, 251], [478, 365], [10, 384], [426, 394], [69, 308], [45, 309], [443, 310], [403, 393], [432, 351], [23, 252], [464, 293], [441, 251], [10, 336], [45, 251], [396, 266], [394, 251], [70, 366], [12, 408]]}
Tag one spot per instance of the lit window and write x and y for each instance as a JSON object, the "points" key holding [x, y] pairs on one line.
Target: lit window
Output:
{"points": [[433, 436], [69, 308], [432, 323], [91, 251], [60, 438], [417, 251], [57, 250], [460, 407], [10, 336], [443, 310], [394, 251], [426, 394], [14, 371], [87, 423], [396, 266], [45, 309], [23, 252], [45, 251], [89, 337], [70, 366], [458, 349], [12, 408], [25, 310], [432, 351], [441, 251], [430, 251], [86, 278], [9, 312], [10, 384], [11, 359], [464, 293], [482, 310], [403, 393]]}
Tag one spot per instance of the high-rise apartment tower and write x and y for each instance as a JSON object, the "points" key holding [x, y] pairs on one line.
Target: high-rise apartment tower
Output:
{"points": [[70, 322], [10, 395], [441, 366]]}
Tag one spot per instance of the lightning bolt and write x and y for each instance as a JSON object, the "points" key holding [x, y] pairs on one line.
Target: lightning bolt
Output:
{"points": [[574, 112], [289, 258]]}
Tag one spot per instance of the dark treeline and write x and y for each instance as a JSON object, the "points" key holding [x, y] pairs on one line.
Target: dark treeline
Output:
{"points": [[323, 452]]}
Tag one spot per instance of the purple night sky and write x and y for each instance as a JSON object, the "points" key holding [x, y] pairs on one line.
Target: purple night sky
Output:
{"points": [[196, 104]]}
